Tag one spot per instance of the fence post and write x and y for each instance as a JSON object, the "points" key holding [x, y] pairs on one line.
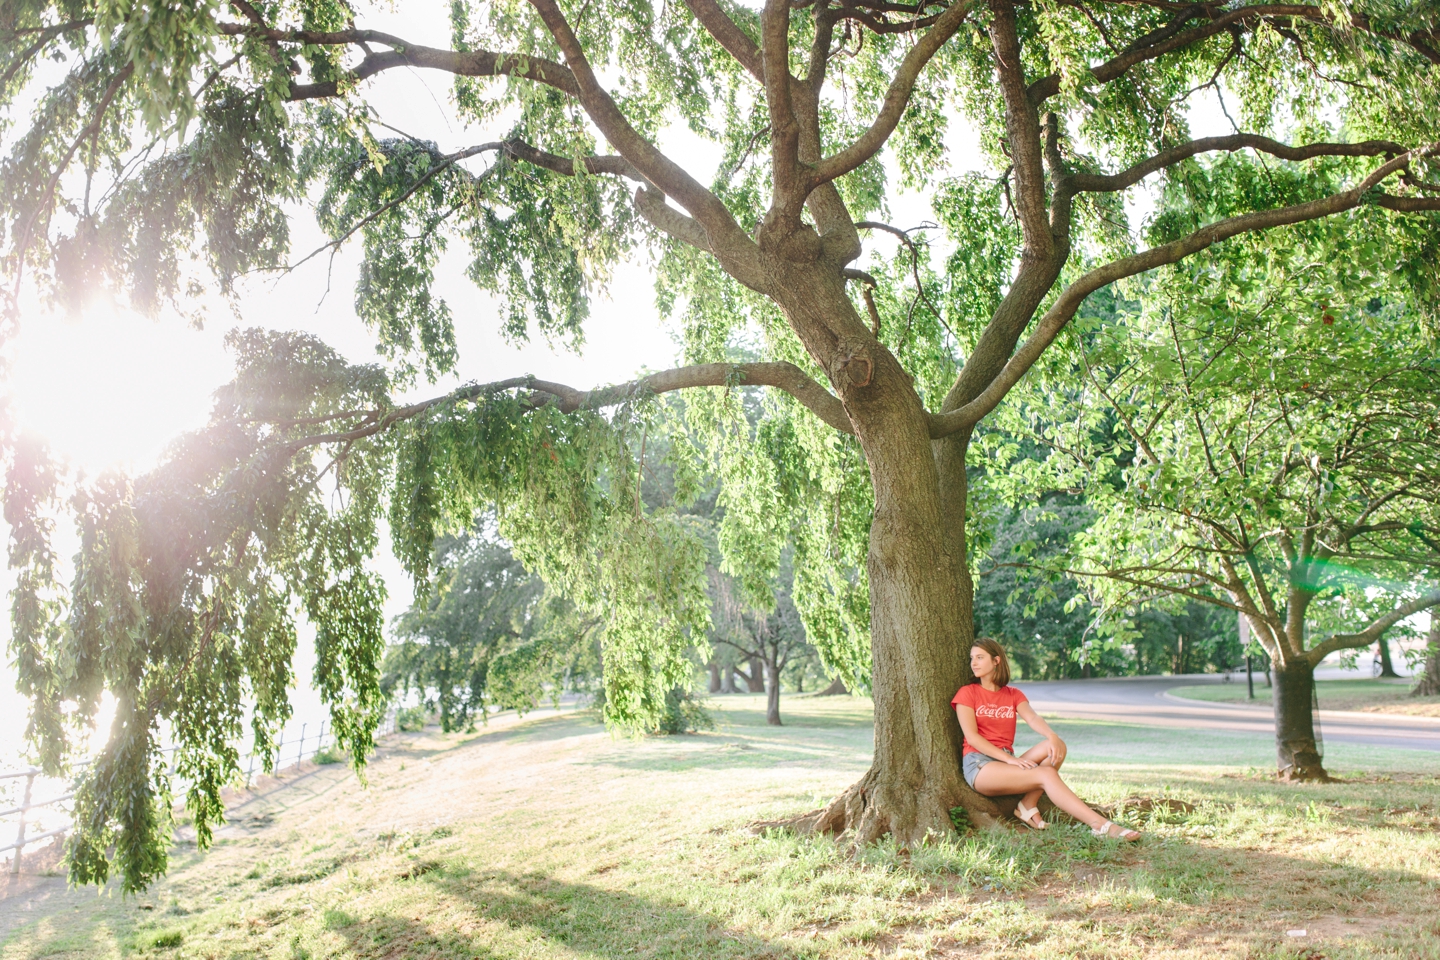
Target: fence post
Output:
{"points": [[300, 756], [20, 833], [250, 770]]}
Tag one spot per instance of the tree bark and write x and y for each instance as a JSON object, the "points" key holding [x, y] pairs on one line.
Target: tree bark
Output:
{"points": [[755, 678], [1429, 685], [715, 683], [772, 700], [1387, 666], [728, 681], [1297, 752]]}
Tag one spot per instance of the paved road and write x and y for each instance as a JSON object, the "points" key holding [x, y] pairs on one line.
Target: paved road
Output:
{"points": [[1144, 700]]}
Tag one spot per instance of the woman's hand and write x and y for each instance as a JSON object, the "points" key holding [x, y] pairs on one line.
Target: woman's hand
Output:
{"points": [[1021, 762], [1056, 754]]}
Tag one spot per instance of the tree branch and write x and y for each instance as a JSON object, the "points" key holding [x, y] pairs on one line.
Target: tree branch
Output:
{"points": [[1346, 641], [789, 189], [1102, 183], [783, 376], [1022, 128], [1059, 314], [897, 97], [467, 63], [728, 34], [724, 233]]}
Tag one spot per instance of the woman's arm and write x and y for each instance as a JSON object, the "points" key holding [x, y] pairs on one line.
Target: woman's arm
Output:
{"points": [[1034, 722], [966, 716]]}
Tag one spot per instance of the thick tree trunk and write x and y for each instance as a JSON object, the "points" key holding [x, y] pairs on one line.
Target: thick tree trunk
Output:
{"points": [[727, 684], [772, 700], [1387, 667], [755, 677], [836, 689], [715, 682], [1298, 754], [1429, 685], [920, 594]]}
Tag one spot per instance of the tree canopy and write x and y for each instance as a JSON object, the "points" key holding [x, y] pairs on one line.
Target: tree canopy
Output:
{"points": [[156, 150]]}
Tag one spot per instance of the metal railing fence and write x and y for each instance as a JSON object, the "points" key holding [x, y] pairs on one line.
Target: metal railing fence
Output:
{"points": [[305, 749]]}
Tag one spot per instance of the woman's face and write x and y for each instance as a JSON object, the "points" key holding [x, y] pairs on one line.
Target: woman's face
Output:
{"points": [[981, 663]]}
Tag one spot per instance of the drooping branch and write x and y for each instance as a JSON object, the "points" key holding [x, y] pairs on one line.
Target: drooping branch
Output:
{"points": [[1064, 308], [43, 38], [1089, 182], [783, 376], [42, 203], [1362, 638], [897, 97], [1174, 36]]}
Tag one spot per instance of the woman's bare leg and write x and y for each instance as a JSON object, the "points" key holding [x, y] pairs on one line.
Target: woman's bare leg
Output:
{"points": [[996, 779], [1037, 754]]}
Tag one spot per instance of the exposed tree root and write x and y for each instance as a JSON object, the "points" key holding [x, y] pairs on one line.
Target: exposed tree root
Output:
{"points": [[868, 811]]}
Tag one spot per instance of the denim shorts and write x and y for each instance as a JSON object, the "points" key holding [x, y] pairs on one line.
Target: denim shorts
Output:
{"points": [[972, 763]]}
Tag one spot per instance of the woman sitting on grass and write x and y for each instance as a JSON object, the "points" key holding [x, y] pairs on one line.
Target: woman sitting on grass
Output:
{"points": [[987, 707]]}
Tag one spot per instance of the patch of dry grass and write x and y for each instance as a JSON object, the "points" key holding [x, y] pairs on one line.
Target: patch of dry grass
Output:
{"points": [[547, 838]]}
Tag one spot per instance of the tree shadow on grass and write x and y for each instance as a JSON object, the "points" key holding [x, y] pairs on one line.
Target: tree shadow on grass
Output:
{"points": [[504, 915]]}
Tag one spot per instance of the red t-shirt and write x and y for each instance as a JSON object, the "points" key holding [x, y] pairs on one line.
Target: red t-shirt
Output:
{"points": [[994, 713]]}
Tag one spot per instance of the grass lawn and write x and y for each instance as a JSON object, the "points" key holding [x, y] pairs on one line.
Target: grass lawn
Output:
{"points": [[1367, 695], [549, 838]]}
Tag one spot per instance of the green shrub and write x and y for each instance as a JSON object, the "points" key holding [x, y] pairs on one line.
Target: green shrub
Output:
{"points": [[330, 754], [411, 719], [684, 713]]}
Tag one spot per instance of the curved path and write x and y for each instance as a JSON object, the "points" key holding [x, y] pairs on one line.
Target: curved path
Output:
{"points": [[1145, 700]]}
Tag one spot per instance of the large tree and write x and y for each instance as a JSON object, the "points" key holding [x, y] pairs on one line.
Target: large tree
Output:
{"points": [[168, 150]]}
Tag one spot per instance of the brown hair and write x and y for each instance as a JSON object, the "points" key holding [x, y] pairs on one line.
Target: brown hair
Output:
{"points": [[1001, 675]]}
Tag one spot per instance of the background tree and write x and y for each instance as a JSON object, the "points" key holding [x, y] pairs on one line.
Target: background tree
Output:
{"points": [[250, 107], [1276, 423], [1429, 685], [485, 634], [772, 638]]}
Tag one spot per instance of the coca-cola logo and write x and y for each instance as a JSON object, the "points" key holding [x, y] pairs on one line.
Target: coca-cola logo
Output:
{"points": [[995, 710]]}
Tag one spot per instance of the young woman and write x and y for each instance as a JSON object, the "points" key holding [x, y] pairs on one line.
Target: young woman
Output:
{"points": [[987, 708]]}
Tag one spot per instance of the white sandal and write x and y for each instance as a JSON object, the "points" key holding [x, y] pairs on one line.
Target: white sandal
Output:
{"points": [[1126, 834], [1024, 813]]}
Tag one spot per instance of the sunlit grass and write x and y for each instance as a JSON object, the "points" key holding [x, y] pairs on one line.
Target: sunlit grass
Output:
{"points": [[549, 838]]}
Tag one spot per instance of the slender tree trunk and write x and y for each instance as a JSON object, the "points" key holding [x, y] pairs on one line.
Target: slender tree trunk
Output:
{"points": [[1429, 685], [772, 700], [728, 682], [715, 683], [1298, 754], [1387, 667]]}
